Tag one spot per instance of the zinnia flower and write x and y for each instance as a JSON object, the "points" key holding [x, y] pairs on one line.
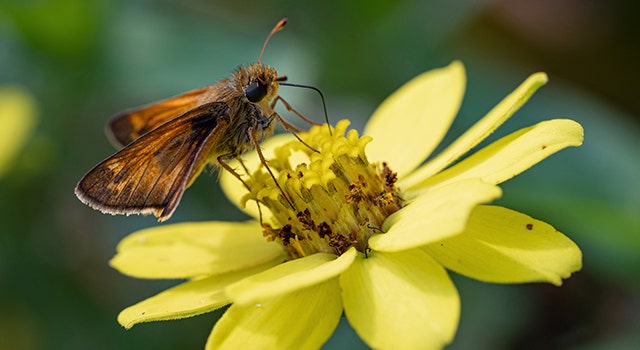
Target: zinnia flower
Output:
{"points": [[362, 225]]}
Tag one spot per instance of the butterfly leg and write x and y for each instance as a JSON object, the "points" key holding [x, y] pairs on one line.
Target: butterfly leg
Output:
{"points": [[244, 166], [233, 172], [254, 141], [291, 109], [238, 176], [262, 224], [292, 129]]}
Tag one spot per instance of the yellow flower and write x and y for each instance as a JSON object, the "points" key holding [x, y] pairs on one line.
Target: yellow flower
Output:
{"points": [[361, 225], [17, 120]]}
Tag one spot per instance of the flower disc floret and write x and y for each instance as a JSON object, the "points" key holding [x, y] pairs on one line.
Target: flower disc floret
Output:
{"points": [[335, 199]]}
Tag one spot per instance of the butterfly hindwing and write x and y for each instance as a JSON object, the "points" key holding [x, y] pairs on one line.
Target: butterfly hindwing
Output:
{"points": [[130, 125]]}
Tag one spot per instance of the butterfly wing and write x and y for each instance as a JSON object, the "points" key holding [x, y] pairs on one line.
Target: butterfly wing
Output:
{"points": [[131, 124], [150, 174]]}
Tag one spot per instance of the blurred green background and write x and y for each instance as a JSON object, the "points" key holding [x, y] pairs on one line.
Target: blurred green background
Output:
{"points": [[85, 60]]}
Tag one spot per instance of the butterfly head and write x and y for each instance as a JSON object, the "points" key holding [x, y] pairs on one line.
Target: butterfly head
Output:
{"points": [[258, 83]]}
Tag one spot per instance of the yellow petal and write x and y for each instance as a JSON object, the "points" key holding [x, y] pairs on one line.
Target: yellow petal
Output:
{"points": [[235, 190], [304, 319], [400, 301], [511, 155], [17, 120], [479, 131], [194, 249], [290, 276], [185, 300], [439, 213], [503, 246], [410, 123]]}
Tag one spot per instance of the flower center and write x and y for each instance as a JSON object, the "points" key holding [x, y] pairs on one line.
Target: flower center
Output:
{"points": [[335, 199]]}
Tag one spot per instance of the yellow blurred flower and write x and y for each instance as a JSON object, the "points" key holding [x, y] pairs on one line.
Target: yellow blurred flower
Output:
{"points": [[364, 227], [17, 121]]}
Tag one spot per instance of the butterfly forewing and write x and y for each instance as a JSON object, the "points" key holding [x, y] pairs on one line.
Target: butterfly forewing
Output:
{"points": [[131, 124], [151, 173]]}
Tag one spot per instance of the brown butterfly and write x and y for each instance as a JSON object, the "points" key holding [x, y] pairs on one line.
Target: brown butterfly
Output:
{"points": [[168, 143]]}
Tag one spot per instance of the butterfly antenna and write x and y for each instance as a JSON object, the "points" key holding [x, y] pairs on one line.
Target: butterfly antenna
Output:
{"points": [[275, 29]]}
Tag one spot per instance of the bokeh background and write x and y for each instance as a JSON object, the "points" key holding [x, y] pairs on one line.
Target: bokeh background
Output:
{"points": [[81, 61]]}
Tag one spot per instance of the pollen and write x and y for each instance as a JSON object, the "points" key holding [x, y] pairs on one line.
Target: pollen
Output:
{"points": [[335, 198]]}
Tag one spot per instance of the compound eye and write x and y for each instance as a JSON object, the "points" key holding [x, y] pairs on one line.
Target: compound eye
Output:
{"points": [[255, 92]]}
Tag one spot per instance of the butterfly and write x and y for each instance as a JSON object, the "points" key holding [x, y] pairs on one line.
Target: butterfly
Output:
{"points": [[167, 144]]}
